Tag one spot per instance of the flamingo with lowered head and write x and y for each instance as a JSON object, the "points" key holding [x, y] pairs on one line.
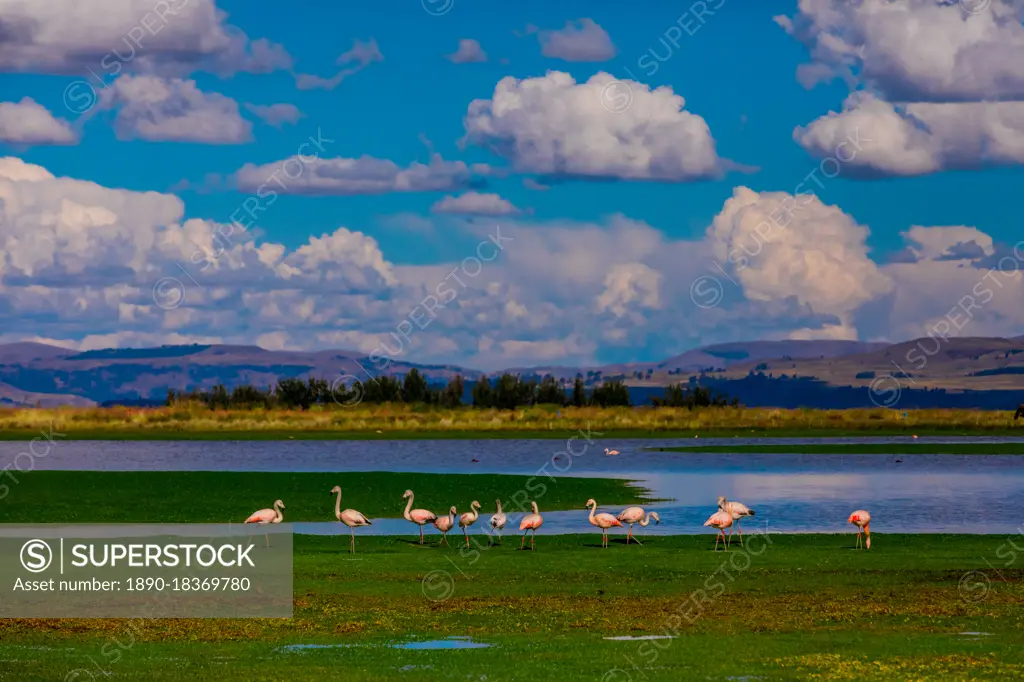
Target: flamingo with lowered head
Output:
{"points": [[602, 521], [350, 517], [721, 520], [531, 522], [265, 516], [469, 518], [498, 521], [737, 510], [862, 520], [445, 524], [420, 517], [633, 515]]}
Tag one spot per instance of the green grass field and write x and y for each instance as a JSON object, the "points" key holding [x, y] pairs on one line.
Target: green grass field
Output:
{"points": [[802, 607], [862, 449], [220, 497]]}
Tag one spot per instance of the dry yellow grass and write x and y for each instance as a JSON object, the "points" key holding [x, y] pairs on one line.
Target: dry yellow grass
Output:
{"points": [[398, 420]]}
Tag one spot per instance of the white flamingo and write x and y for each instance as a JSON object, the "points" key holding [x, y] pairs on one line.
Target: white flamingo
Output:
{"points": [[737, 510], [445, 524], [420, 517], [265, 516], [602, 521], [350, 517], [469, 518], [633, 515], [498, 521]]}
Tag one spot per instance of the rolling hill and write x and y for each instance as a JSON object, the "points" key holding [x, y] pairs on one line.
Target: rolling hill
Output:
{"points": [[34, 373]]}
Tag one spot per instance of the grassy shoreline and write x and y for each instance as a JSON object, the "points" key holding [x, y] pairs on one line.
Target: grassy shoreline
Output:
{"points": [[390, 422], [222, 496], [857, 449], [802, 607]]}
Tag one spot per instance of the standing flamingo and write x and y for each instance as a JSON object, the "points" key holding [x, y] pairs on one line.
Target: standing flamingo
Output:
{"points": [[445, 524], [610, 452], [498, 521], [862, 520], [265, 516], [633, 515], [350, 517], [469, 518], [721, 520], [420, 517], [737, 510], [602, 521], [531, 522]]}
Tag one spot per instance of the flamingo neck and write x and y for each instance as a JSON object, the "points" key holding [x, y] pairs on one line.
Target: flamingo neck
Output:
{"points": [[474, 511], [593, 508], [499, 506], [279, 515], [407, 508], [647, 519], [337, 505]]}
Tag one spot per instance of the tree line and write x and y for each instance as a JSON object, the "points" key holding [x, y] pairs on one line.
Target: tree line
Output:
{"points": [[506, 392]]}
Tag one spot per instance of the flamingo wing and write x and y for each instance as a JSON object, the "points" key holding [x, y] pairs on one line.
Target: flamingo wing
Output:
{"points": [[531, 521], [631, 514], [351, 517], [262, 516], [607, 519], [422, 516]]}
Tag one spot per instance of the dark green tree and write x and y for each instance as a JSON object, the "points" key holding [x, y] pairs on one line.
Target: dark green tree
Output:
{"points": [[550, 392], [483, 393], [415, 388], [451, 396]]}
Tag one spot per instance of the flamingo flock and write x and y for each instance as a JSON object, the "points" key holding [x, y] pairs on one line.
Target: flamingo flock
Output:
{"points": [[729, 513]]}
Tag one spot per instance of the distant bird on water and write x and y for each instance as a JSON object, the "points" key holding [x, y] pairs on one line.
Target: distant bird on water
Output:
{"points": [[531, 522], [610, 452], [721, 520], [420, 517], [350, 517], [498, 521], [862, 520], [738, 510], [445, 524], [265, 516], [633, 515], [602, 521]]}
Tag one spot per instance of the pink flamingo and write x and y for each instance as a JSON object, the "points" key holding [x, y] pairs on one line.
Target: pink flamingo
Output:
{"points": [[531, 522], [737, 510], [610, 452], [420, 517], [602, 521], [469, 518], [350, 517], [265, 516], [498, 521], [862, 520], [720, 520], [633, 515], [445, 524]]}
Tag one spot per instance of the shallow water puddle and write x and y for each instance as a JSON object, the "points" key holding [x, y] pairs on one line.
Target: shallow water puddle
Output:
{"points": [[446, 643], [628, 638]]}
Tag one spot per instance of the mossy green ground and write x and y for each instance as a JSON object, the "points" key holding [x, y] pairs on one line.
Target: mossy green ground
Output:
{"points": [[860, 449], [223, 496], [802, 607]]}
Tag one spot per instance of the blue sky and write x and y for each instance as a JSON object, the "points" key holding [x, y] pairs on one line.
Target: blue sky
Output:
{"points": [[738, 72]]}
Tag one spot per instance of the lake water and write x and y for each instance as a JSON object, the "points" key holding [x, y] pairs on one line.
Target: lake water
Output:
{"points": [[790, 493]]}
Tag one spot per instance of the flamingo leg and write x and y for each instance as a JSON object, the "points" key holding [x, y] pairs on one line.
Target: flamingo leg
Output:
{"points": [[421, 535], [740, 531], [352, 544], [533, 537], [717, 537], [522, 545], [464, 532]]}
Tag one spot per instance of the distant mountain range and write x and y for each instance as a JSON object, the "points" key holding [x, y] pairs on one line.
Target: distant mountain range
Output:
{"points": [[925, 372]]}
